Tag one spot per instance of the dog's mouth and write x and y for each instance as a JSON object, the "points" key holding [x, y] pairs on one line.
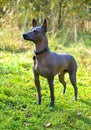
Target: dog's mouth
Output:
{"points": [[25, 37], [32, 38]]}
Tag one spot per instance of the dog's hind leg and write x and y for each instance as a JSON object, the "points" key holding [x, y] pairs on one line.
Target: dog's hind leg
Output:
{"points": [[61, 79], [73, 81]]}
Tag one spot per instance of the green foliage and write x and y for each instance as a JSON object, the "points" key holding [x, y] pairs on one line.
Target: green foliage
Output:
{"points": [[62, 13]]}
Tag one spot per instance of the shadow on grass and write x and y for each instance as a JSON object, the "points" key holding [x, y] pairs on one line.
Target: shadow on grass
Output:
{"points": [[86, 102], [85, 120], [80, 117]]}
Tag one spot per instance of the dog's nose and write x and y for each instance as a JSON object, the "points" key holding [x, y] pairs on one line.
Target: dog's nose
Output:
{"points": [[24, 35]]}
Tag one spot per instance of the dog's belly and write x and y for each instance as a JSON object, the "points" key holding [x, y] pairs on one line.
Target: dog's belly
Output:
{"points": [[44, 72]]}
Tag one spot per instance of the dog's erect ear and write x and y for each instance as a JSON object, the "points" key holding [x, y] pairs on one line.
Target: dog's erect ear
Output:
{"points": [[34, 23], [45, 25]]}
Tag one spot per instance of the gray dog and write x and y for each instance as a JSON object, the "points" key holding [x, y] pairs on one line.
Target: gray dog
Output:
{"points": [[47, 63]]}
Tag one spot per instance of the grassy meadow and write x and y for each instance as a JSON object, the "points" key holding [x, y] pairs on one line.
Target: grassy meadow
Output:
{"points": [[18, 96]]}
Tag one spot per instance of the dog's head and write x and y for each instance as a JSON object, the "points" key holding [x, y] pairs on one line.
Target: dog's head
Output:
{"points": [[36, 33]]}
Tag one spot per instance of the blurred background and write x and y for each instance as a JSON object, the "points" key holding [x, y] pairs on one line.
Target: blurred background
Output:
{"points": [[69, 21]]}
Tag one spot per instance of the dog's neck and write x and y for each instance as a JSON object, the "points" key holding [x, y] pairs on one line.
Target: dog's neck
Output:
{"points": [[40, 46]]}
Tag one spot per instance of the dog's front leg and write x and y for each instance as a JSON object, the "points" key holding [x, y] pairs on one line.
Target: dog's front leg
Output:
{"points": [[51, 86], [37, 83]]}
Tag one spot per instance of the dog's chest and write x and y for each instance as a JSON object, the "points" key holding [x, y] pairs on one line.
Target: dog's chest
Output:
{"points": [[42, 67]]}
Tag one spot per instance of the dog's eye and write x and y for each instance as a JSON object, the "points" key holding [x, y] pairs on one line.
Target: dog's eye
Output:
{"points": [[36, 32]]}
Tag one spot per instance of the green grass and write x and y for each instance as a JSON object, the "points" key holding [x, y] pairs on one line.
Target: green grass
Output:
{"points": [[18, 96]]}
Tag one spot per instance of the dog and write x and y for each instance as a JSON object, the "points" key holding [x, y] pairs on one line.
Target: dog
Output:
{"points": [[48, 64]]}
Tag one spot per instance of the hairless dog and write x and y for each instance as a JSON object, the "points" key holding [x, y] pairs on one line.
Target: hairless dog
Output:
{"points": [[47, 63]]}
